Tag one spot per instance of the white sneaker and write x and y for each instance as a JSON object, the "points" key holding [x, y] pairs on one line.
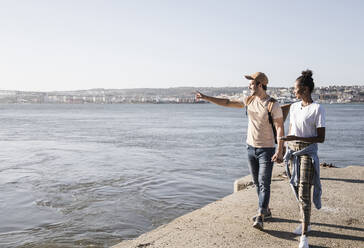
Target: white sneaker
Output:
{"points": [[298, 230], [303, 242]]}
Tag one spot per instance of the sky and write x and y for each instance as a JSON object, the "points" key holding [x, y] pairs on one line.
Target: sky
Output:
{"points": [[116, 44]]}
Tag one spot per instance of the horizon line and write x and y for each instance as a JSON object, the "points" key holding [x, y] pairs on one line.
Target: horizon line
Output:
{"points": [[47, 91]]}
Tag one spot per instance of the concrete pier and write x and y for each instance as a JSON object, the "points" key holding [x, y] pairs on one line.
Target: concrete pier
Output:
{"points": [[227, 222]]}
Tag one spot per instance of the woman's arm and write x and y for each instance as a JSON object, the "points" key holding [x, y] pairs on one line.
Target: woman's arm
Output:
{"points": [[320, 138]]}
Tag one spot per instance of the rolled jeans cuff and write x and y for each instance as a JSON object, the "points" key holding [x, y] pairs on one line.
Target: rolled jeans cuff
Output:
{"points": [[263, 211]]}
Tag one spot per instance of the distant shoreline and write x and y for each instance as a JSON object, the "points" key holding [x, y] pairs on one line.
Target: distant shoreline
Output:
{"points": [[332, 94], [149, 103]]}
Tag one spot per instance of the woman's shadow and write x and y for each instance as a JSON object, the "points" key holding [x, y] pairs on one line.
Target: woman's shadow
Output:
{"points": [[291, 236]]}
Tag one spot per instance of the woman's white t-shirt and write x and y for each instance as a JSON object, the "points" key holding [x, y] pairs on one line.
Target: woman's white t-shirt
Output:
{"points": [[304, 121]]}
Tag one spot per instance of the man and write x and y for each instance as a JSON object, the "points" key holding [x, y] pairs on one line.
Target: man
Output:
{"points": [[260, 138]]}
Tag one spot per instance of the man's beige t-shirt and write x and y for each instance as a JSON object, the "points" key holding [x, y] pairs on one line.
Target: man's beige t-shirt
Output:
{"points": [[260, 132]]}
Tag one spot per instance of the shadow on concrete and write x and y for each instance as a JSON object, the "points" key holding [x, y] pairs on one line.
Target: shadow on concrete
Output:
{"points": [[277, 179], [339, 226], [293, 237], [331, 235], [313, 233], [318, 246], [343, 180], [281, 234], [283, 220], [320, 224]]}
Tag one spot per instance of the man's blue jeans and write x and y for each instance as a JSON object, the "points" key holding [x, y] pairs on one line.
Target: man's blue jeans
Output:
{"points": [[261, 166]]}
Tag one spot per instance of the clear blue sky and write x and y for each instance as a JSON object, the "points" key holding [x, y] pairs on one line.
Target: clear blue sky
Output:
{"points": [[82, 44]]}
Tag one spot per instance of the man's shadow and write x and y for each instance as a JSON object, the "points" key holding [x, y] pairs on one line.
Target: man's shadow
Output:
{"points": [[343, 180], [291, 236]]}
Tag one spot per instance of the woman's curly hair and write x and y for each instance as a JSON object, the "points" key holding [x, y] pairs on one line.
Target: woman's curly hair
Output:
{"points": [[306, 79]]}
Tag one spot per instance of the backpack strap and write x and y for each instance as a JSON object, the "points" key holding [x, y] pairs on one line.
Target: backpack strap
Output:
{"points": [[285, 111], [248, 101], [271, 102]]}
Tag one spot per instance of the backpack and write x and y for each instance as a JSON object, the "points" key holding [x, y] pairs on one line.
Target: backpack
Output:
{"points": [[271, 101]]}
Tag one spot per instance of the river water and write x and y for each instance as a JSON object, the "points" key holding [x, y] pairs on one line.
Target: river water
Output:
{"points": [[93, 175]]}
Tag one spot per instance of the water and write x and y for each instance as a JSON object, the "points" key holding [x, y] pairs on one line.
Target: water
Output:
{"points": [[93, 175]]}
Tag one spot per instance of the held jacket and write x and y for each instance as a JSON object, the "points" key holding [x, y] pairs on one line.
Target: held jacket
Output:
{"points": [[311, 151]]}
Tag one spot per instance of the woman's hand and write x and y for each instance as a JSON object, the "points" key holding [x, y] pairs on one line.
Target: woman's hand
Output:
{"points": [[290, 138]]}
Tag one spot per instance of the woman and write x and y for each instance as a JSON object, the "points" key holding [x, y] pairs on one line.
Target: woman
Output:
{"points": [[307, 128]]}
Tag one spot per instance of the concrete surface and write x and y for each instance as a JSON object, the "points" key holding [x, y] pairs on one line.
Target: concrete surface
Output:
{"points": [[227, 222]]}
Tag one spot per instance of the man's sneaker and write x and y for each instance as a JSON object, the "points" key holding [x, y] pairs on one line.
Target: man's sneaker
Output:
{"points": [[298, 230], [267, 216], [258, 223], [303, 242]]}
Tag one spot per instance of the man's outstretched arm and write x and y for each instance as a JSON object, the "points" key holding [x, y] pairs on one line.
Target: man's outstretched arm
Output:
{"points": [[220, 101]]}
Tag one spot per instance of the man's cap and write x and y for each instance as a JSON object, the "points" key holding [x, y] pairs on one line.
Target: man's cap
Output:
{"points": [[259, 77]]}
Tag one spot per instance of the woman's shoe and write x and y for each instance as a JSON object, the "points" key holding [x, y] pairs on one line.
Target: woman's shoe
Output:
{"points": [[298, 230], [303, 242]]}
